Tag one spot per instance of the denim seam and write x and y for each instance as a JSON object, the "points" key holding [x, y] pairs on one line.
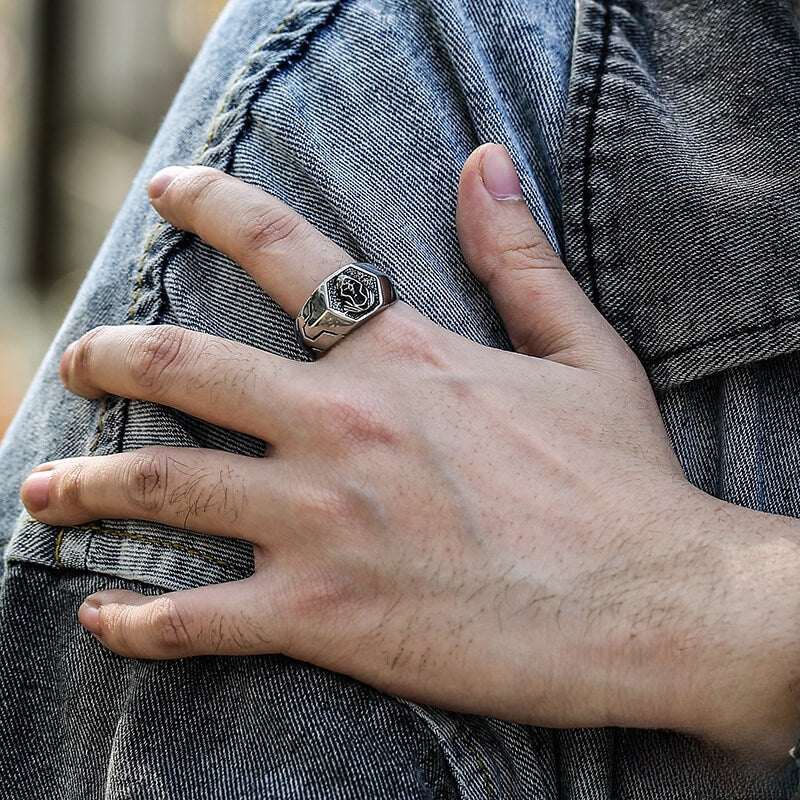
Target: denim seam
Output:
{"points": [[589, 160], [130, 319], [479, 762], [238, 77], [289, 59], [101, 421], [160, 226], [140, 537], [59, 538], [773, 326]]}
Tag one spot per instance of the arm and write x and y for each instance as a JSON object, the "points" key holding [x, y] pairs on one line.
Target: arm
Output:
{"points": [[499, 533]]}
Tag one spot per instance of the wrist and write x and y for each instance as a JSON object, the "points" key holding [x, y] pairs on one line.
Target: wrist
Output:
{"points": [[739, 673]]}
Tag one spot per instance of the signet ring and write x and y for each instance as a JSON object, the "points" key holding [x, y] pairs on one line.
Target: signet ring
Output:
{"points": [[341, 303]]}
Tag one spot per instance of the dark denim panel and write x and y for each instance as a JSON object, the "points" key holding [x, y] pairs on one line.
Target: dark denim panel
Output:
{"points": [[657, 765], [80, 723], [683, 183], [737, 434]]}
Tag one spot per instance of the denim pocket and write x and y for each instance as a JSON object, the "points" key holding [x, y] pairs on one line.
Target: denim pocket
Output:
{"points": [[682, 179]]}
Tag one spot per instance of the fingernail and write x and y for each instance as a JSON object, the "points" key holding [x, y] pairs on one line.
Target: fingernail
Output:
{"points": [[35, 489], [89, 616], [65, 366], [499, 175], [161, 180]]}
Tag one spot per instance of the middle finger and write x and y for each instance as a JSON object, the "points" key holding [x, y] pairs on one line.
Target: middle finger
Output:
{"points": [[225, 383]]}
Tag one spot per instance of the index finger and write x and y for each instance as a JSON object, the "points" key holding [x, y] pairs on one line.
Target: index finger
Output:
{"points": [[283, 252]]}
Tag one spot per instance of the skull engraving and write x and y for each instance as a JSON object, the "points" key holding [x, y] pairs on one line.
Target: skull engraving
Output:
{"points": [[355, 296]]}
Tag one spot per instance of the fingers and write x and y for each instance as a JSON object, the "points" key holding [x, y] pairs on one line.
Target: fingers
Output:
{"points": [[544, 310], [205, 490], [286, 255], [237, 618], [225, 383]]}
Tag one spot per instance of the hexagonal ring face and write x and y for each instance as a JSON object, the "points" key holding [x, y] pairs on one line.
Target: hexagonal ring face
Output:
{"points": [[341, 303]]}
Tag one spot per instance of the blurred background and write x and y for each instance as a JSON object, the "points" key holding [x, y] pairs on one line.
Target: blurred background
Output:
{"points": [[83, 87]]}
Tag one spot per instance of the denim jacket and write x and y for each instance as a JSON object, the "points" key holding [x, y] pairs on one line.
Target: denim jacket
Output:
{"points": [[682, 179], [656, 144]]}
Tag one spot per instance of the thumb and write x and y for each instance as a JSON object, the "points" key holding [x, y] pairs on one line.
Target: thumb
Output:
{"points": [[221, 619], [542, 307]]}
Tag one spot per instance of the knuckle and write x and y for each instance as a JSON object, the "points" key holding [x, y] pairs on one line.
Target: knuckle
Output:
{"points": [[268, 228], [167, 624], [155, 352], [199, 186], [67, 491], [155, 630], [145, 479], [319, 593], [116, 628], [85, 349], [408, 338], [522, 249], [338, 509]]}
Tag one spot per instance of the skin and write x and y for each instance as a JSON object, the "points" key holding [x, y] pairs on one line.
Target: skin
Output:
{"points": [[503, 533]]}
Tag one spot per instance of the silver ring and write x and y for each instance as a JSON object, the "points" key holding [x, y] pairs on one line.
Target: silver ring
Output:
{"points": [[342, 302]]}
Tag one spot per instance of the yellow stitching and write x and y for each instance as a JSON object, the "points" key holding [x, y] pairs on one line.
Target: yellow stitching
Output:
{"points": [[106, 405], [58, 545], [478, 760], [149, 243], [101, 422], [238, 77], [140, 271], [138, 537]]}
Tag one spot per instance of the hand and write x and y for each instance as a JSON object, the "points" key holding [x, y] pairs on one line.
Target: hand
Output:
{"points": [[499, 533]]}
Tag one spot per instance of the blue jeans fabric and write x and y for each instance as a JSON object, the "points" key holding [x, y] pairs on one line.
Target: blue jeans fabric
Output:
{"points": [[359, 114]]}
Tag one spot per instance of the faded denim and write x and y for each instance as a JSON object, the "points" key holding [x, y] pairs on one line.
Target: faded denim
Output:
{"points": [[360, 114]]}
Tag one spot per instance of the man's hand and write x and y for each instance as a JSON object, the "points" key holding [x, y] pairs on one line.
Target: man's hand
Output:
{"points": [[499, 533]]}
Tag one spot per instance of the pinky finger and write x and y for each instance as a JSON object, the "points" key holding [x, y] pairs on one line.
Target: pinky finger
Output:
{"points": [[237, 618]]}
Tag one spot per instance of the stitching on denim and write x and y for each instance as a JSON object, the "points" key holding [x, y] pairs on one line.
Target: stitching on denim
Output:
{"points": [[57, 554], [239, 75], [160, 225], [589, 159], [137, 293], [747, 329], [140, 537], [288, 59], [101, 423], [482, 770], [157, 228]]}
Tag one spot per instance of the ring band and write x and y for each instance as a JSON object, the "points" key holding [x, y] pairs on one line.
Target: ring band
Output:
{"points": [[341, 303]]}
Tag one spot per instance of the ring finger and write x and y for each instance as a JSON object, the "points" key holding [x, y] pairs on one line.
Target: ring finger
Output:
{"points": [[205, 490]]}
